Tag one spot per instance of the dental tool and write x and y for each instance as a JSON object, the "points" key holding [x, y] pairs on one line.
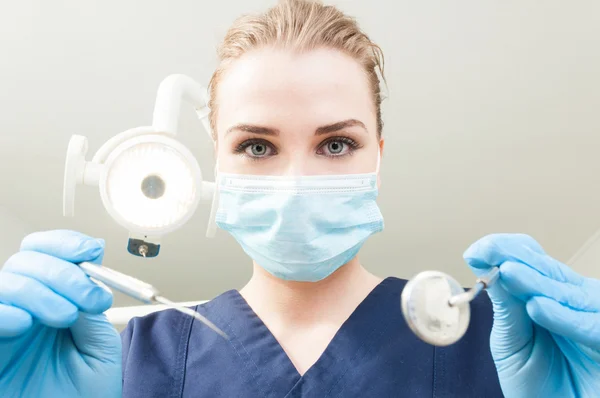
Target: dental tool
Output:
{"points": [[141, 291], [436, 307]]}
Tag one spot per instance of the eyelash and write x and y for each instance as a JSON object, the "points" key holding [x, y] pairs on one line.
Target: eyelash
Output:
{"points": [[241, 148], [353, 145]]}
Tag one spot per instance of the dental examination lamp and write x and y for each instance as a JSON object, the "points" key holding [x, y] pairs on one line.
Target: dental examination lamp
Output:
{"points": [[149, 182]]}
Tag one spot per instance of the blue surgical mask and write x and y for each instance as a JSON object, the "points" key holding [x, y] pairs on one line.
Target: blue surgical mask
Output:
{"points": [[299, 228]]}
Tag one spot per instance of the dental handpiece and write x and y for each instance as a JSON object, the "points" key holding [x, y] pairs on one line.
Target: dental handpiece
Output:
{"points": [[141, 291]]}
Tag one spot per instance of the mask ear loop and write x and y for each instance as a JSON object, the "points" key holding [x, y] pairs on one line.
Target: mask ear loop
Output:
{"points": [[211, 229], [378, 161], [203, 115]]}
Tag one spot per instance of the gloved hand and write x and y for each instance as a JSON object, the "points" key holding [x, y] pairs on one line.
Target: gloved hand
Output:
{"points": [[54, 339], [546, 335]]}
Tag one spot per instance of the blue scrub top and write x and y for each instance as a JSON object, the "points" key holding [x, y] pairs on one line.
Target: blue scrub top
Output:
{"points": [[374, 354]]}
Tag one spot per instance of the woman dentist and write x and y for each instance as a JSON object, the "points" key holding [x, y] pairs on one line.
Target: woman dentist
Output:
{"points": [[296, 113]]}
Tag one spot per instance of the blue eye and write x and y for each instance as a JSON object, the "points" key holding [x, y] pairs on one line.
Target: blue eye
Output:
{"points": [[255, 149], [337, 147], [334, 147]]}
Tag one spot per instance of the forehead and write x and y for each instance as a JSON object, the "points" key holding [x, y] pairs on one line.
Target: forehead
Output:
{"points": [[273, 86]]}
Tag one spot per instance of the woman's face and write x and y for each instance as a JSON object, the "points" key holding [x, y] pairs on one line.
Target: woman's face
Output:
{"points": [[287, 114]]}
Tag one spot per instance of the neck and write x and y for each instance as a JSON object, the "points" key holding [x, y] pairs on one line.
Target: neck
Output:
{"points": [[304, 304]]}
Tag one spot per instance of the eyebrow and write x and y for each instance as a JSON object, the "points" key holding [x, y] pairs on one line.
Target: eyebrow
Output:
{"points": [[249, 128], [332, 128], [327, 129]]}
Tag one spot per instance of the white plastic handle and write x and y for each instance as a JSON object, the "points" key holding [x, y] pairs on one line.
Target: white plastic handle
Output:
{"points": [[172, 91]]}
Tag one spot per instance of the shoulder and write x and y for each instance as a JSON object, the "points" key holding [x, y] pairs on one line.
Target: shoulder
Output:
{"points": [[156, 349], [157, 321], [171, 327], [161, 335], [165, 326], [153, 348]]}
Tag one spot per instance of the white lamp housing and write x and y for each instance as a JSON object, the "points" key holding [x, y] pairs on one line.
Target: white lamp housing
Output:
{"points": [[149, 182], [151, 185]]}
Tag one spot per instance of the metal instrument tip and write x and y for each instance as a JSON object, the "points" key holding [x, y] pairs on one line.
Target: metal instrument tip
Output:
{"points": [[192, 313]]}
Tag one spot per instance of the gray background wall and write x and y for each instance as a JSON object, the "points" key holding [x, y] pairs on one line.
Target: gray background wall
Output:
{"points": [[491, 124]]}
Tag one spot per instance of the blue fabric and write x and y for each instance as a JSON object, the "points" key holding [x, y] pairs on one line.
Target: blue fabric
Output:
{"points": [[374, 354]]}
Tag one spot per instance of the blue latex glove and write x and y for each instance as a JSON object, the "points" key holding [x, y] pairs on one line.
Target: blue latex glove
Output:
{"points": [[54, 339], [546, 335]]}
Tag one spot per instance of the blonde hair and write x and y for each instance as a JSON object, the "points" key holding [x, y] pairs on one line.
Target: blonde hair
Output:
{"points": [[300, 25]]}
